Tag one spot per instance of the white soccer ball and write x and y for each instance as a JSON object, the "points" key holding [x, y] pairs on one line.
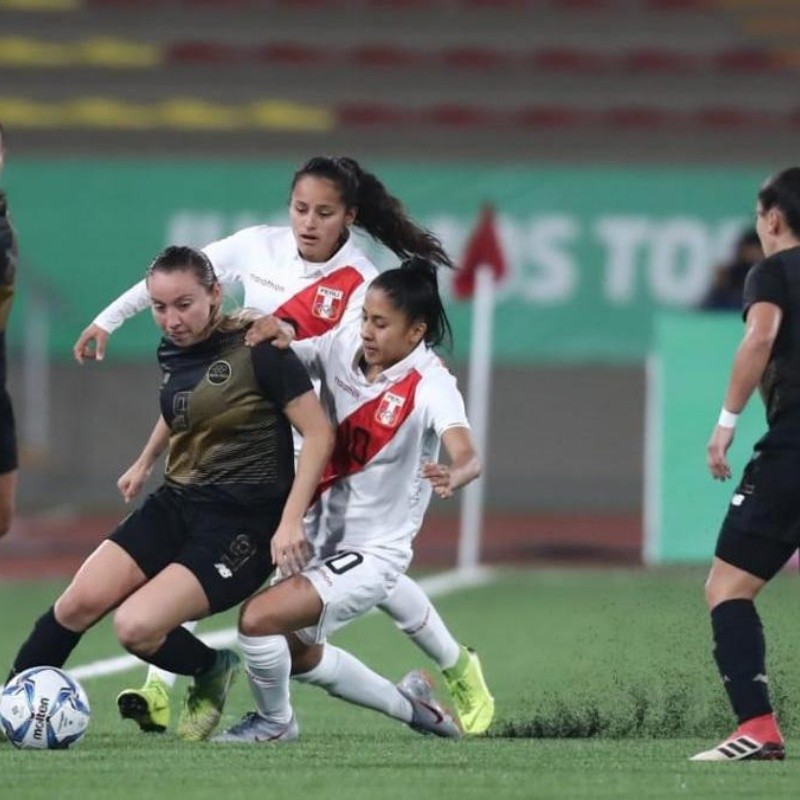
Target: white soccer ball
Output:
{"points": [[43, 708]]}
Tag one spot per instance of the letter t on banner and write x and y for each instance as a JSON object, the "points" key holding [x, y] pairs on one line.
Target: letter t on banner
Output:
{"points": [[482, 266]]}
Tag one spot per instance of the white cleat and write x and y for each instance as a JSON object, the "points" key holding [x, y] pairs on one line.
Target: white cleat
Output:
{"points": [[742, 748], [252, 728], [429, 716]]}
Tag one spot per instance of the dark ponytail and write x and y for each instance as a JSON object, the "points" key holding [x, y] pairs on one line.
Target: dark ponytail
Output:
{"points": [[782, 191], [413, 288], [378, 213]]}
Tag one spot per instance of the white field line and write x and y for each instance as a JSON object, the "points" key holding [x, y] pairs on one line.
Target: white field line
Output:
{"points": [[434, 586]]}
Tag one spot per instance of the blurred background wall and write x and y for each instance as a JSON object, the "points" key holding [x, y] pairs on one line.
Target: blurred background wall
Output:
{"points": [[621, 143]]}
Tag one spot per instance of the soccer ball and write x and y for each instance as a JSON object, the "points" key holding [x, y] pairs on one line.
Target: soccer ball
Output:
{"points": [[44, 708]]}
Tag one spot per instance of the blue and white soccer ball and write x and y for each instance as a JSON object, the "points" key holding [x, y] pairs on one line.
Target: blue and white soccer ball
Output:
{"points": [[43, 708]]}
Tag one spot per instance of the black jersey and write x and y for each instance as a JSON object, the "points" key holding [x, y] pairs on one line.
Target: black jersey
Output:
{"points": [[8, 263], [223, 402], [777, 280]]}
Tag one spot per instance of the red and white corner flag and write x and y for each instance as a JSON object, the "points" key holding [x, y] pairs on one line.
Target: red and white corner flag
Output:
{"points": [[483, 264], [482, 250]]}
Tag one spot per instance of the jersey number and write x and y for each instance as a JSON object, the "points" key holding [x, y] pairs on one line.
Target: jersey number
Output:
{"points": [[343, 562]]}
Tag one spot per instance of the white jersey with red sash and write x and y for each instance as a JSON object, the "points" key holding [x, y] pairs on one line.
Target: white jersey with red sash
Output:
{"points": [[375, 497], [276, 280]]}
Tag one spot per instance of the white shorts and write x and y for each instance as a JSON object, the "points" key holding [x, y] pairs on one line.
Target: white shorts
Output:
{"points": [[349, 584]]}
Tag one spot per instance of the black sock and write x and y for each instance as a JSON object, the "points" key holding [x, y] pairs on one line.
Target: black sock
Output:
{"points": [[740, 655], [48, 645], [183, 653]]}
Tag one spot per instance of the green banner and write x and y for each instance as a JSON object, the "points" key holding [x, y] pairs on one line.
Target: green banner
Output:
{"points": [[687, 378], [592, 252]]}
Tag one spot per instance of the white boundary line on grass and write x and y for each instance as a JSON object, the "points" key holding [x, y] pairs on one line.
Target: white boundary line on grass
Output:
{"points": [[434, 586]]}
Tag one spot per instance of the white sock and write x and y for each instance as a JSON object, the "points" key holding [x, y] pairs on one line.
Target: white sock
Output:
{"points": [[342, 675], [415, 615], [163, 675], [268, 667]]}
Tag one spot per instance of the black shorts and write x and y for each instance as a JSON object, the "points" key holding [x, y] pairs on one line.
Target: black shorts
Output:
{"points": [[228, 551], [761, 530], [8, 433]]}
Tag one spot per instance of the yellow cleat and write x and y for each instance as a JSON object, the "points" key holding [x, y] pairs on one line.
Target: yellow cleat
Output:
{"points": [[204, 701], [148, 707], [467, 686]]}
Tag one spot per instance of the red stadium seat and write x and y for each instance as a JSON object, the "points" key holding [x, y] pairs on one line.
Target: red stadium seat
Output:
{"points": [[462, 116], [292, 53], [373, 114], [637, 117], [569, 59], [203, 53], [747, 61], [476, 57], [551, 117], [384, 56]]}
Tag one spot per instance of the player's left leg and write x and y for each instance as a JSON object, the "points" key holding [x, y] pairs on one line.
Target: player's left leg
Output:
{"points": [[740, 653], [148, 624], [148, 705], [8, 494], [416, 616]]}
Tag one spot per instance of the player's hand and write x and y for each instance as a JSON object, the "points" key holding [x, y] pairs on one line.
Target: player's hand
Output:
{"points": [[717, 453], [131, 481], [439, 477], [271, 329], [91, 344], [290, 548]]}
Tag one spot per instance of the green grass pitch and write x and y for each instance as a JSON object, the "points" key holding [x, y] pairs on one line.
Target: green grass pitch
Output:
{"points": [[604, 685]]}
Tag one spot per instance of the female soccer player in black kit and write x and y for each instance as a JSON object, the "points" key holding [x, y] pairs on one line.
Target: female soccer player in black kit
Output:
{"points": [[762, 527], [8, 439], [204, 541]]}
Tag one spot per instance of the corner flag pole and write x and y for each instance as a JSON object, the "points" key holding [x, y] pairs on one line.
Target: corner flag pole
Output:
{"points": [[480, 367], [483, 265]]}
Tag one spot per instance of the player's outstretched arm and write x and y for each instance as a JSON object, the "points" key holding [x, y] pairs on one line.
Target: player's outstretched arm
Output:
{"points": [[92, 342], [464, 464]]}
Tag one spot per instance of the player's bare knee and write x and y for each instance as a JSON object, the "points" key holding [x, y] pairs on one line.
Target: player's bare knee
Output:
{"points": [[255, 621], [133, 631], [77, 609]]}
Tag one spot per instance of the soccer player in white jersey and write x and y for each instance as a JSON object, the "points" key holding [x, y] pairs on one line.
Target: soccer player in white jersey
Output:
{"points": [[393, 402], [313, 273]]}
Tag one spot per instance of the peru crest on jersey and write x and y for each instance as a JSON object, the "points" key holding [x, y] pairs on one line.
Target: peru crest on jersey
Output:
{"points": [[328, 303], [388, 413]]}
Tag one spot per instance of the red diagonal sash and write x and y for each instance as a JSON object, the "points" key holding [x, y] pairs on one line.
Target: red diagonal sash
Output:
{"points": [[319, 307], [363, 434]]}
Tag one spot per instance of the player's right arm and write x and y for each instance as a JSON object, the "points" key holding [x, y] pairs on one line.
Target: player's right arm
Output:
{"points": [[134, 478], [751, 359]]}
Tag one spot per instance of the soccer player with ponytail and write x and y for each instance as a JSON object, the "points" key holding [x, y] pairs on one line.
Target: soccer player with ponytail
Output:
{"points": [[393, 402]]}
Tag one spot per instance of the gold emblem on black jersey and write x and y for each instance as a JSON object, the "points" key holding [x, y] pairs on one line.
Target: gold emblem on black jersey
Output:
{"points": [[219, 373]]}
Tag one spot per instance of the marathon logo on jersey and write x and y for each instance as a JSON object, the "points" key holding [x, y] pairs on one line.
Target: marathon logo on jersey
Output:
{"points": [[389, 409], [219, 373], [328, 303]]}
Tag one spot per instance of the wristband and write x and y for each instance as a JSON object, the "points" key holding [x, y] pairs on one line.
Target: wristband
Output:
{"points": [[727, 419]]}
